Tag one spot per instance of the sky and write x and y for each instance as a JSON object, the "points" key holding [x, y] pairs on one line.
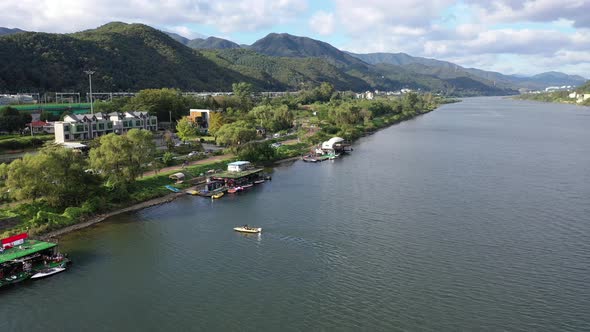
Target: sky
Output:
{"points": [[510, 36]]}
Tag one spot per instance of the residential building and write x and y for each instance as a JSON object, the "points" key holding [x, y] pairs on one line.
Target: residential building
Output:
{"points": [[83, 127], [200, 117], [41, 127], [239, 166]]}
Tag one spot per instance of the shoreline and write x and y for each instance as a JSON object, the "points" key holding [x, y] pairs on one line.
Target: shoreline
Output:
{"points": [[172, 196], [101, 217]]}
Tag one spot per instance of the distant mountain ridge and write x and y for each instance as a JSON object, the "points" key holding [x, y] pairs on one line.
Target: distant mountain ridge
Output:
{"points": [[203, 43], [446, 68], [136, 56], [8, 31], [212, 43]]}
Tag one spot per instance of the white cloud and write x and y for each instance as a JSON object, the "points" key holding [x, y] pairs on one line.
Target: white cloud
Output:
{"points": [[576, 11], [322, 23], [226, 15], [184, 31]]}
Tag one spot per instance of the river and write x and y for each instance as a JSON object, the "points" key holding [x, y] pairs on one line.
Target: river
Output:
{"points": [[473, 217]]}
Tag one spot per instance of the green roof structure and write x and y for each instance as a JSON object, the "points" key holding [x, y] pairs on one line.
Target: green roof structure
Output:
{"points": [[29, 247], [237, 175]]}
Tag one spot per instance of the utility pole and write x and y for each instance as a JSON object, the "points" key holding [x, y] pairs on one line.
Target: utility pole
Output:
{"points": [[89, 73]]}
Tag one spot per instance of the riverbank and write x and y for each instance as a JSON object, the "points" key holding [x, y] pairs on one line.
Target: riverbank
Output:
{"points": [[552, 97], [148, 190], [101, 217]]}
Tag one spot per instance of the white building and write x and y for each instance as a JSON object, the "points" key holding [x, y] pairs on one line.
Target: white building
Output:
{"points": [[238, 166], [85, 127], [200, 117], [16, 99]]}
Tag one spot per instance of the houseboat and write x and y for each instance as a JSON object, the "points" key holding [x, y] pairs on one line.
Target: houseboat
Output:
{"points": [[22, 258]]}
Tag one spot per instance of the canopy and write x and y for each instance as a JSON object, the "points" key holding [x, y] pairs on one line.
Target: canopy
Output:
{"points": [[177, 176]]}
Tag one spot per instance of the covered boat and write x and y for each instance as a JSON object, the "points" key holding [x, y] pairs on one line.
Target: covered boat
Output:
{"points": [[22, 258]]}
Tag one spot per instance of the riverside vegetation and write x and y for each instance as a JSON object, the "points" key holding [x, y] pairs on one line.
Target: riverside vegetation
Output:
{"points": [[59, 187], [558, 96]]}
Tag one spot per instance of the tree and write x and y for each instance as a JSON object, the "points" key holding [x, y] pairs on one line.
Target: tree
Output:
{"points": [[273, 118], [169, 139], [144, 148], [185, 129], [56, 175], [235, 133], [11, 120], [164, 103], [243, 91], [257, 152], [216, 120], [121, 159]]}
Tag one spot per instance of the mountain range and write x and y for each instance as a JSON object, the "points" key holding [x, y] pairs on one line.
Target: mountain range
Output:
{"points": [[136, 56]]}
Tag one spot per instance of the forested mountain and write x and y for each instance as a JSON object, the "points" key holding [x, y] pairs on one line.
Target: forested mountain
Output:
{"points": [[126, 57], [286, 45], [130, 57], [8, 31], [212, 43], [445, 69]]}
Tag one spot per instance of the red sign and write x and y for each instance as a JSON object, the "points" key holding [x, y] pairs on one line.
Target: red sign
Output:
{"points": [[14, 240]]}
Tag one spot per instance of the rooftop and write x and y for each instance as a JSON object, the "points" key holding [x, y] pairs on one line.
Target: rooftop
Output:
{"points": [[28, 248], [239, 163], [237, 175]]}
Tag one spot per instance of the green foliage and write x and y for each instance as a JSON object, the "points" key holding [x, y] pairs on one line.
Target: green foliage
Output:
{"points": [[160, 102], [120, 159], [257, 152], [243, 91], [273, 118], [236, 133], [23, 142], [168, 158], [56, 175], [185, 129], [216, 121], [11, 120]]}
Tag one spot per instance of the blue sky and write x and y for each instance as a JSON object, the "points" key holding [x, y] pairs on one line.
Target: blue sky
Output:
{"points": [[510, 36]]}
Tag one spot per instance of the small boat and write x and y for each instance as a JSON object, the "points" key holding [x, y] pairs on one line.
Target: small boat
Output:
{"points": [[259, 181], [248, 229], [310, 159], [247, 185], [171, 188], [48, 272], [234, 190], [217, 196], [193, 192]]}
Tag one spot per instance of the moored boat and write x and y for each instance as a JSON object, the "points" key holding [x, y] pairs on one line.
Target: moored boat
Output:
{"points": [[48, 272], [234, 190], [247, 229], [259, 181], [171, 188], [217, 196], [22, 258], [247, 185]]}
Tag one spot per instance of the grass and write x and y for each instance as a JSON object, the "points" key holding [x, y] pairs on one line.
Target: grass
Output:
{"points": [[23, 142]]}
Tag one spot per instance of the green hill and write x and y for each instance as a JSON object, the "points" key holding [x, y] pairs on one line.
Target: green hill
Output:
{"points": [[124, 56], [130, 57], [212, 43]]}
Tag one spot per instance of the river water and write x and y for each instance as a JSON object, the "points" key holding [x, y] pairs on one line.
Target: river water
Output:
{"points": [[472, 217]]}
